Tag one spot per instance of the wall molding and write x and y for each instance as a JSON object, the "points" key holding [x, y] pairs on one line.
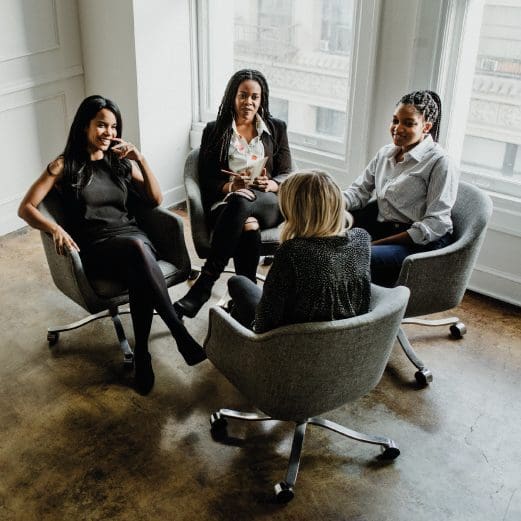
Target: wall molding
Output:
{"points": [[497, 284], [55, 47], [42, 79]]}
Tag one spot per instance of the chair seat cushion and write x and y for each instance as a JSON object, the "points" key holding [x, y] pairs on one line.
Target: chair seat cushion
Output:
{"points": [[108, 288]]}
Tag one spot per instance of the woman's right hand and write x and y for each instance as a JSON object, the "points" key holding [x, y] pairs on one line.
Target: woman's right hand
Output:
{"points": [[63, 242], [240, 180]]}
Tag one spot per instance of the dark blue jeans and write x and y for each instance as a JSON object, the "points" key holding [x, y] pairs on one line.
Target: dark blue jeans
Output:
{"points": [[387, 259]]}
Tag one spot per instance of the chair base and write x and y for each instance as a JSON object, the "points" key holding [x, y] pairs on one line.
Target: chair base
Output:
{"points": [[284, 490], [457, 330], [53, 332]]}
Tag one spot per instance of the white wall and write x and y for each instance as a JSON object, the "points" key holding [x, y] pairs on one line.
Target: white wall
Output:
{"points": [[138, 53], [41, 84]]}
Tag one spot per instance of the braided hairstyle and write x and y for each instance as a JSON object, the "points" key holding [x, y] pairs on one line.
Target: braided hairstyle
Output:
{"points": [[428, 104], [77, 171], [220, 139]]}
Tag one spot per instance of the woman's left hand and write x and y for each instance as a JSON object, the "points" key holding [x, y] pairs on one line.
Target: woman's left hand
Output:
{"points": [[264, 183], [126, 149]]}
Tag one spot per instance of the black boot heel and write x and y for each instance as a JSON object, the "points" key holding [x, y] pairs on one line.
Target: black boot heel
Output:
{"points": [[144, 377], [196, 297]]}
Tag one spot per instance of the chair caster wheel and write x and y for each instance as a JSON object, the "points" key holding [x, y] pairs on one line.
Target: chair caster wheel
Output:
{"points": [[283, 492], [458, 330], [389, 453], [193, 275], [218, 426], [423, 377], [52, 338], [128, 362]]}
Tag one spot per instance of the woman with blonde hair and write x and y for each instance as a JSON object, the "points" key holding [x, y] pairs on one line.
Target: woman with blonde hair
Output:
{"points": [[320, 271]]}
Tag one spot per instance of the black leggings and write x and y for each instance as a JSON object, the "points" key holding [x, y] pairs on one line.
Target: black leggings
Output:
{"points": [[230, 240], [132, 260]]}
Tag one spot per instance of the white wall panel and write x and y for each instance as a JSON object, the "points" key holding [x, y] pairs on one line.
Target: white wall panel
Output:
{"points": [[41, 85]]}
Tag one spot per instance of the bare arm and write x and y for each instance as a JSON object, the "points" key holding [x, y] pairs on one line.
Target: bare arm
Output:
{"points": [[28, 209], [399, 238], [142, 176]]}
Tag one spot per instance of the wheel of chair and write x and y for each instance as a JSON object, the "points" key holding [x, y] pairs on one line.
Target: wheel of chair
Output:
{"points": [[52, 338], [458, 330], [283, 492], [423, 377], [218, 427], [390, 453]]}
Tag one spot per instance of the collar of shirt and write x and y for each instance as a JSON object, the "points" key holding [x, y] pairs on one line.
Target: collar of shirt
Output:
{"points": [[259, 123], [416, 152]]}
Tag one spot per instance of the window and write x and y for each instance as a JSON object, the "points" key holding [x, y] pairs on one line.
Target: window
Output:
{"points": [[303, 48], [491, 148]]}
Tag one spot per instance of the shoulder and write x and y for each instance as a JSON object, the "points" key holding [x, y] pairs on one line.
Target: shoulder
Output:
{"points": [[277, 125], [55, 167], [359, 236]]}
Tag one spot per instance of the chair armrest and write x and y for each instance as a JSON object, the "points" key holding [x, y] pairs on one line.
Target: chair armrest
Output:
{"points": [[166, 232], [68, 275]]}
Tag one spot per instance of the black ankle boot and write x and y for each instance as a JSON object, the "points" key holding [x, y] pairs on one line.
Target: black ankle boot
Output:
{"points": [[199, 293], [144, 376]]}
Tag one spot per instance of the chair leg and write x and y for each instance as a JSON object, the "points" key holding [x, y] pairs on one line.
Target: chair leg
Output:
{"points": [[423, 375], [128, 354], [389, 447], [53, 332], [457, 328]]}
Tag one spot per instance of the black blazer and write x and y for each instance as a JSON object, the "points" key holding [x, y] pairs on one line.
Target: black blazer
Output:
{"points": [[211, 179]]}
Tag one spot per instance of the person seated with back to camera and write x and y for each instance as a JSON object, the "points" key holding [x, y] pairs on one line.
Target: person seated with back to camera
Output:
{"points": [[237, 210], [99, 176], [415, 183], [320, 271]]}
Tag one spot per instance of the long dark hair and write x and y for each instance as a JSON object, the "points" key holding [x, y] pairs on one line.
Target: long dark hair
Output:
{"points": [[76, 158], [428, 104], [220, 139]]}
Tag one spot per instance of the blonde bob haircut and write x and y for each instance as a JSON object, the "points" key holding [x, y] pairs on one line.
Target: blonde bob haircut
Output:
{"points": [[312, 205]]}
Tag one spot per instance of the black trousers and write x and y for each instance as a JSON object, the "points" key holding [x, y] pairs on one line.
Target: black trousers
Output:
{"points": [[229, 240], [245, 297]]}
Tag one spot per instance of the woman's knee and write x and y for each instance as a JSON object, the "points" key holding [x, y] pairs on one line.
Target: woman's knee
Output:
{"points": [[251, 224]]}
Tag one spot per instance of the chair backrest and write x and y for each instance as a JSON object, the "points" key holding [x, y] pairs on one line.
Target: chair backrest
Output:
{"points": [[200, 232], [298, 371], [438, 279]]}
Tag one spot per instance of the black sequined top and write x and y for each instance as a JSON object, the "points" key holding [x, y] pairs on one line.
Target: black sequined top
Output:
{"points": [[316, 279]]}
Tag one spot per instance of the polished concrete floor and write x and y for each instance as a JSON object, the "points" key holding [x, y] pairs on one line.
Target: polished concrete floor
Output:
{"points": [[76, 441]]}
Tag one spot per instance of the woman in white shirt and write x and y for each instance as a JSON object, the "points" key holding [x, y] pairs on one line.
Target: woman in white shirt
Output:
{"points": [[243, 134], [415, 184]]}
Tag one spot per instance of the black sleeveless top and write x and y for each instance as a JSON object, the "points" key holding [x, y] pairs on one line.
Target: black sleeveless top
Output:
{"points": [[101, 209]]}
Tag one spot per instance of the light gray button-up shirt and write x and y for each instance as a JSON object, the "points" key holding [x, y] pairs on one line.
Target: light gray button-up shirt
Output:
{"points": [[420, 190]]}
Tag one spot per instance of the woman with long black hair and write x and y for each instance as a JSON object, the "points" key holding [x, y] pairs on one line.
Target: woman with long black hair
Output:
{"points": [[98, 175]]}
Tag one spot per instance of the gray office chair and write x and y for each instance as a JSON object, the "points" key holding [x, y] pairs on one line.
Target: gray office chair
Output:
{"points": [[201, 233], [438, 279], [101, 297], [297, 372]]}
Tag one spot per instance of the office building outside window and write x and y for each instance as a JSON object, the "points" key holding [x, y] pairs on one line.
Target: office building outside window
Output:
{"points": [[492, 144]]}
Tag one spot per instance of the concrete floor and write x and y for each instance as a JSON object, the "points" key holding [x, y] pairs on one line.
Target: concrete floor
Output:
{"points": [[76, 442]]}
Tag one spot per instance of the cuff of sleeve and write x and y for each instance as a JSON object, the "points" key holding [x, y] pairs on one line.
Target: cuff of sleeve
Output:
{"points": [[416, 235]]}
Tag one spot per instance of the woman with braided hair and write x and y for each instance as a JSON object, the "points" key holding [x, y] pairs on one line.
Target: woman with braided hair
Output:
{"points": [[415, 185], [236, 206]]}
